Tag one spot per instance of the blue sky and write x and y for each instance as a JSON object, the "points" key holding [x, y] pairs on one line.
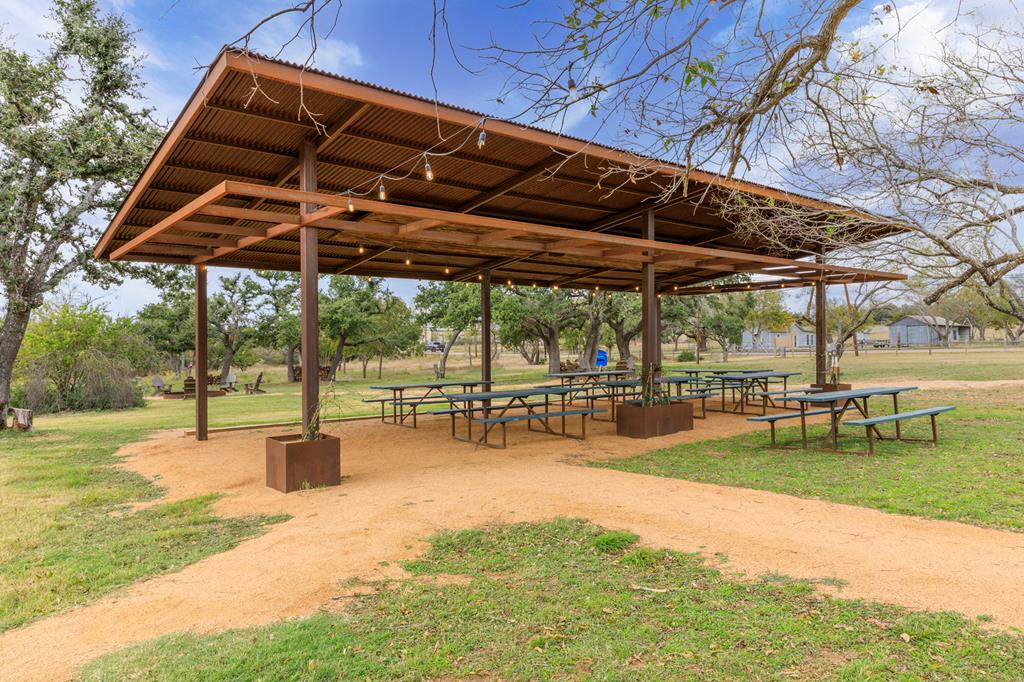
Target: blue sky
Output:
{"points": [[382, 41]]}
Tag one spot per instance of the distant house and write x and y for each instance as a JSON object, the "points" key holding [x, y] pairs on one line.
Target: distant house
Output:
{"points": [[927, 330], [764, 341], [798, 336]]}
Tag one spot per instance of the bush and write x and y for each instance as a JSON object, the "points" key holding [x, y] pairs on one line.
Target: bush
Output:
{"points": [[686, 356], [106, 384]]}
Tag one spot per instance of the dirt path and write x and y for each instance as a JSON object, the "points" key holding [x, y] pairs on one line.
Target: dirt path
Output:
{"points": [[405, 484]]}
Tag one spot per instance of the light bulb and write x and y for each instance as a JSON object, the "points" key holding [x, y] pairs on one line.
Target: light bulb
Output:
{"points": [[361, 249], [572, 88], [481, 140], [351, 207], [510, 282], [408, 262], [428, 172], [555, 287], [381, 194], [480, 277]]}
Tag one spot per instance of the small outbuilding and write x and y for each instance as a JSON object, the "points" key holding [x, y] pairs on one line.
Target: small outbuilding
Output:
{"points": [[927, 330]]}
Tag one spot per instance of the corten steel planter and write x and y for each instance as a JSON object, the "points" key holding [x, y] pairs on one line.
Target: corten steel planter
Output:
{"points": [[294, 464], [828, 388], [637, 421]]}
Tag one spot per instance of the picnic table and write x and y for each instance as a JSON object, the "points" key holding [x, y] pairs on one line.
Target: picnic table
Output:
{"points": [[536, 402], [624, 389], [698, 372], [589, 376], [747, 382], [404, 408], [839, 402]]}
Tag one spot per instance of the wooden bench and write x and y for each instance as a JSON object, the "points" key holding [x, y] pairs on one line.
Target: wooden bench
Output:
{"points": [[772, 418], [254, 388], [22, 419], [870, 422], [545, 416]]}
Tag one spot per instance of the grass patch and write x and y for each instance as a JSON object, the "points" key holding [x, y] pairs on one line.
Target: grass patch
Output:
{"points": [[562, 608], [67, 534], [615, 541], [973, 476]]}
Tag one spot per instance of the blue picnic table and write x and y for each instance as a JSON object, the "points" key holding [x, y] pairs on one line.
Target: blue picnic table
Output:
{"points": [[497, 404], [402, 407], [840, 401], [623, 389], [746, 382]]}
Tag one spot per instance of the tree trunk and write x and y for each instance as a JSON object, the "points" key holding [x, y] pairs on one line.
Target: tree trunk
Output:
{"points": [[380, 365], [339, 353], [622, 344], [550, 340], [366, 361], [588, 359], [291, 361], [225, 365], [11, 335], [725, 350], [443, 362]]}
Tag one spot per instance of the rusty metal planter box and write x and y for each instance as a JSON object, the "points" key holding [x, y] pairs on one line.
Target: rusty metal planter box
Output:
{"points": [[637, 421], [294, 464], [829, 388]]}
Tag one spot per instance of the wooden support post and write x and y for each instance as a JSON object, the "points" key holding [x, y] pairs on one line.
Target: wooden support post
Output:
{"points": [[485, 328], [649, 306], [201, 359], [820, 370], [310, 296]]}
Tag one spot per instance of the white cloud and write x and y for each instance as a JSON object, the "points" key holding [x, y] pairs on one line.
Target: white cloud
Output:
{"points": [[332, 54]]}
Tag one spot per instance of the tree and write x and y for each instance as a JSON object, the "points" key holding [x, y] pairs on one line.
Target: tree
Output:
{"points": [[346, 312], [768, 313], [933, 143], [452, 306], [393, 332], [281, 325], [625, 320], [543, 313], [169, 325], [592, 318], [725, 319], [234, 319], [71, 143], [76, 349]]}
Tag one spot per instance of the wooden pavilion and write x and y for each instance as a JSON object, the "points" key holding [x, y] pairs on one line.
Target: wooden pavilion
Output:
{"points": [[272, 166]]}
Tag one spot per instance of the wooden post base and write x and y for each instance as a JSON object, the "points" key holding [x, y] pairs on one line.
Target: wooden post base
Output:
{"points": [[637, 421]]}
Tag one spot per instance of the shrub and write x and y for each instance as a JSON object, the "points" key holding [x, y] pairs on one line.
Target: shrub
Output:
{"points": [[686, 356]]}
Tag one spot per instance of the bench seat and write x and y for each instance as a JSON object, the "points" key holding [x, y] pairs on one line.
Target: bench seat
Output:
{"points": [[887, 418], [481, 408], [537, 415], [772, 418], [792, 391]]}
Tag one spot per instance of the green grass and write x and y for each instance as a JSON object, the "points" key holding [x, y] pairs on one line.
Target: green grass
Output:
{"points": [[974, 475], [543, 601], [67, 532]]}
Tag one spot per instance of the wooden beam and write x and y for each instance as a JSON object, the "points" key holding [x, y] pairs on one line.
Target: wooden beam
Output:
{"points": [[649, 306], [201, 360], [365, 258], [309, 313], [485, 329], [515, 181], [216, 192]]}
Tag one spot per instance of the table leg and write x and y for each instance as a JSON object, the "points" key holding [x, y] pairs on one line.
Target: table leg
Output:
{"points": [[803, 423], [896, 410]]}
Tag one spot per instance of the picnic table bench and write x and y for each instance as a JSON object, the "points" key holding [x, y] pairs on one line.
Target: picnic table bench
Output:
{"points": [[747, 383], [871, 422], [532, 416]]}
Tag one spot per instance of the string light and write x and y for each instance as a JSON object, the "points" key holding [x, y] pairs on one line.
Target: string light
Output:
{"points": [[510, 282], [571, 84], [351, 206], [361, 249], [675, 288], [381, 194], [428, 172], [408, 262], [447, 271], [554, 287], [480, 277], [535, 285], [481, 139]]}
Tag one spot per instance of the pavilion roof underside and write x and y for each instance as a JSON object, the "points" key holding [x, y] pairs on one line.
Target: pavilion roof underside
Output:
{"points": [[529, 206]]}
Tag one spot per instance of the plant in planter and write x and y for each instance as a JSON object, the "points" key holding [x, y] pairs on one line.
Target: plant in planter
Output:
{"points": [[832, 382], [311, 459], [654, 414]]}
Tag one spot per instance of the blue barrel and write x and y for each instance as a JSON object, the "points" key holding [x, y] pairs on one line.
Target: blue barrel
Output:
{"points": [[602, 358]]}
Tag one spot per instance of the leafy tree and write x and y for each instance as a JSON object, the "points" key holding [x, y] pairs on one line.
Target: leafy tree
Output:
{"points": [[768, 313], [595, 306], [448, 305], [393, 332], [624, 317], [346, 312], [678, 317], [234, 319], [543, 313], [281, 326], [68, 349], [71, 143], [725, 319], [169, 324]]}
